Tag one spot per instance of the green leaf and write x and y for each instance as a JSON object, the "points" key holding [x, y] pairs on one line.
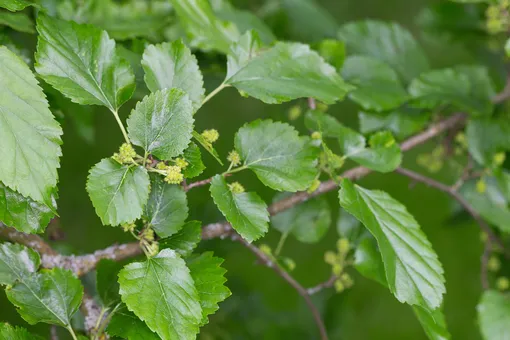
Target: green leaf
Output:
{"points": [[308, 222], [280, 158], [378, 87], [162, 123], [51, 296], [186, 240], [171, 65], [16, 5], [17, 21], [243, 20], [203, 28], [369, 263], [486, 137], [30, 143], [333, 51], [388, 42], [23, 213], [106, 281], [161, 292], [118, 192], [16, 263], [349, 227], [246, 211], [242, 51], [209, 279], [308, 20], [80, 61], [207, 146], [193, 156], [433, 323], [167, 208], [127, 325], [9, 332], [403, 123], [383, 153], [494, 315], [468, 89], [413, 272], [288, 71], [492, 205]]}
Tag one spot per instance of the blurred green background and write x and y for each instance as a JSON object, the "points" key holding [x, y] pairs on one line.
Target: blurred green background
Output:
{"points": [[262, 305]]}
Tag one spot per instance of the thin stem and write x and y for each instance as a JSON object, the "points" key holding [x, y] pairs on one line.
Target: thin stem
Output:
{"points": [[122, 129], [70, 329], [98, 323], [326, 284], [233, 171], [291, 281], [214, 92], [281, 242], [484, 269]]}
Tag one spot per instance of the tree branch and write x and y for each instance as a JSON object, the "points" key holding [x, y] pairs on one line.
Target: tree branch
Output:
{"points": [[323, 285], [268, 262]]}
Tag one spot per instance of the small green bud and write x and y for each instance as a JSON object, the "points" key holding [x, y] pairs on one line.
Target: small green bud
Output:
{"points": [[336, 161], [483, 237], [481, 186], [337, 269], [295, 112], [234, 158], [128, 227], [125, 155], [161, 166], [181, 163], [266, 249], [343, 246], [314, 186], [330, 257], [211, 135], [502, 283], [174, 175], [494, 264], [316, 135], [153, 249], [498, 159], [460, 138], [148, 235], [347, 280], [236, 188], [289, 263], [339, 286], [322, 107]]}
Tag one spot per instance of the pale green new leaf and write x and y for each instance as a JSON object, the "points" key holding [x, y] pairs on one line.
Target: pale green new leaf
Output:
{"points": [[388, 42], [378, 86], [203, 28], [492, 205], [186, 240], [167, 207], [308, 222], [466, 88], [193, 156], [433, 323], [23, 213], [17, 21], [209, 279], [207, 146], [242, 51], [333, 51], [51, 296], [171, 65], [30, 142], [288, 71], [16, 263], [280, 158], [16, 5], [81, 62], [118, 192], [161, 292], [162, 123], [246, 211], [9, 332], [413, 272], [382, 154], [494, 315], [128, 326]]}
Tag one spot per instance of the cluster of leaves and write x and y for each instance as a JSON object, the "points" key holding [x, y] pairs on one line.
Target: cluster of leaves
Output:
{"points": [[172, 292]]}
